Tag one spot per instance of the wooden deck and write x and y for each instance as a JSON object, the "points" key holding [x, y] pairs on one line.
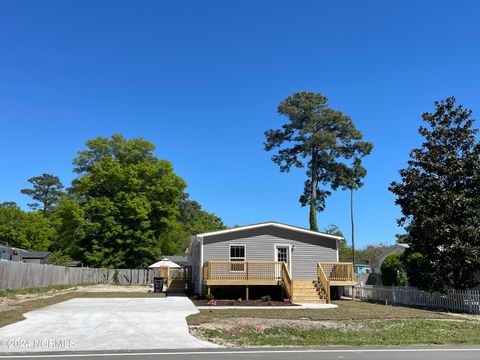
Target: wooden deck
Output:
{"points": [[251, 273], [334, 274], [242, 273]]}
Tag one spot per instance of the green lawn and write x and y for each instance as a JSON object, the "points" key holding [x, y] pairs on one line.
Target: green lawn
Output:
{"points": [[346, 310], [352, 323], [358, 332]]}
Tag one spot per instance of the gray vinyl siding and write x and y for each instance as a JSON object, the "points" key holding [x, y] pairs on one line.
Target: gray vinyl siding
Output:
{"points": [[194, 260], [260, 242]]}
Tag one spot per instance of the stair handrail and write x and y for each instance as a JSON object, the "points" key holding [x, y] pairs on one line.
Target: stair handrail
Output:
{"points": [[287, 280], [323, 280]]}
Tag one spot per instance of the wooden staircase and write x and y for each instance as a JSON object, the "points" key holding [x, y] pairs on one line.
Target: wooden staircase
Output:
{"points": [[176, 286], [308, 291]]}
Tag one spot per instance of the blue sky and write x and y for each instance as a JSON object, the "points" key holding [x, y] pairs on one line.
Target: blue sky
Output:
{"points": [[202, 80]]}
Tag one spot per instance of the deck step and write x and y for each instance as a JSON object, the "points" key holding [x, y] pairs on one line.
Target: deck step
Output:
{"points": [[302, 301], [307, 291]]}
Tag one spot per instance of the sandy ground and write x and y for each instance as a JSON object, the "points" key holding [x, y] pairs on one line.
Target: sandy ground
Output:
{"points": [[7, 303]]}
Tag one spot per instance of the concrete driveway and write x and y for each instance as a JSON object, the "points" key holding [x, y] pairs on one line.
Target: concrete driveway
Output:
{"points": [[104, 324]]}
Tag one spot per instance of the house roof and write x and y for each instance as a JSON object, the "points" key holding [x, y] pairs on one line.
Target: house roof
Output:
{"points": [[36, 254], [274, 224], [181, 260], [398, 247]]}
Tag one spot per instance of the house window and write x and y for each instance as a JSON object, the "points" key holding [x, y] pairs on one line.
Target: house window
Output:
{"points": [[237, 253]]}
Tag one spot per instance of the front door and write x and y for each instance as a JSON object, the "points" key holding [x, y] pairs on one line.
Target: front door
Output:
{"points": [[282, 254]]}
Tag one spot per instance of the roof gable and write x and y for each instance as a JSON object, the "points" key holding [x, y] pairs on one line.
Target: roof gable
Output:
{"points": [[271, 224]]}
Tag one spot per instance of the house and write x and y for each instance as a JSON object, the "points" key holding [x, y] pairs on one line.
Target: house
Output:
{"points": [[11, 253], [36, 257], [363, 269], [398, 248], [301, 263]]}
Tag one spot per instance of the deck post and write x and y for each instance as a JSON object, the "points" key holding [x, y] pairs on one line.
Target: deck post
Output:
{"points": [[353, 293], [247, 293], [208, 290]]}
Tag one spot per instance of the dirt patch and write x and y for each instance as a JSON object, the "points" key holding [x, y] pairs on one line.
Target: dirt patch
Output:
{"points": [[241, 303], [251, 325]]}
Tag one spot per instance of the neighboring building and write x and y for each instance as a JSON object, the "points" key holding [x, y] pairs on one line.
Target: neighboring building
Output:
{"points": [[36, 257], [363, 269], [11, 253], [20, 255], [302, 263], [398, 248], [180, 260]]}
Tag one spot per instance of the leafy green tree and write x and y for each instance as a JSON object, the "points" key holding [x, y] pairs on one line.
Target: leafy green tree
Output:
{"points": [[8, 204], [192, 219], [401, 238], [370, 253], [46, 191], [415, 265], [58, 258], [30, 231], [319, 139], [195, 219], [439, 197], [127, 200], [392, 270], [71, 223]]}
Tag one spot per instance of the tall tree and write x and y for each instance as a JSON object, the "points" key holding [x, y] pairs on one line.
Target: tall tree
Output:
{"points": [[192, 219], [351, 178], [125, 200], [439, 197], [317, 138], [26, 230], [46, 191]]}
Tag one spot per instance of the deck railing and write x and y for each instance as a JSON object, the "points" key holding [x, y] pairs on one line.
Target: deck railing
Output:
{"points": [[287, 281], [323, 281], [242, 270], [338, 271]]}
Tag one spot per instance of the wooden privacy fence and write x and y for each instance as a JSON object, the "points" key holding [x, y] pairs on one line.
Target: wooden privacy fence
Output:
{"points": [[19, 275], [467, 301]]}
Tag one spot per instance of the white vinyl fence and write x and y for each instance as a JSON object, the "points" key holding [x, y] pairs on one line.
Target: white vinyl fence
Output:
{"points": [[467, 301], [19, 275]]}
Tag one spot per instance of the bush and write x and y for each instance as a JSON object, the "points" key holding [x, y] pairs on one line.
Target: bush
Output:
{"points": [[266, 298], [116, 280], [57, 258], [209, 297], [392, 270]]}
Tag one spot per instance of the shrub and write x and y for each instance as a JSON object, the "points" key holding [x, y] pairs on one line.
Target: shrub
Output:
{"points": [[116, 280], [266, 298], [392, 270], [209, 297]]}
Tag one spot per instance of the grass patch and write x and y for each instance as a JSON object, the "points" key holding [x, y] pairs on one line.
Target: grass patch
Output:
{"points": [[346, 310], [360, 332], [16, 313], [40, 290]]}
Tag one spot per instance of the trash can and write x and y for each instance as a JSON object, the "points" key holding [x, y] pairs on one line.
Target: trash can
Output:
{"points": [[158, 284]]}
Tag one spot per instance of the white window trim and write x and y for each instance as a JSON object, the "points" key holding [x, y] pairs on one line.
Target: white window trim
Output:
{"points": [[289, 255], [244, 258]]}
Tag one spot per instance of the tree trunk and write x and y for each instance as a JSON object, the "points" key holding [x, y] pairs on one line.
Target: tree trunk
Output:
{"points": [[313, 194], [353, 227]]}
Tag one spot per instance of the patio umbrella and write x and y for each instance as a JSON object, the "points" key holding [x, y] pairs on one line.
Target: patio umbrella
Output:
{"points": [[164, 263]]}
